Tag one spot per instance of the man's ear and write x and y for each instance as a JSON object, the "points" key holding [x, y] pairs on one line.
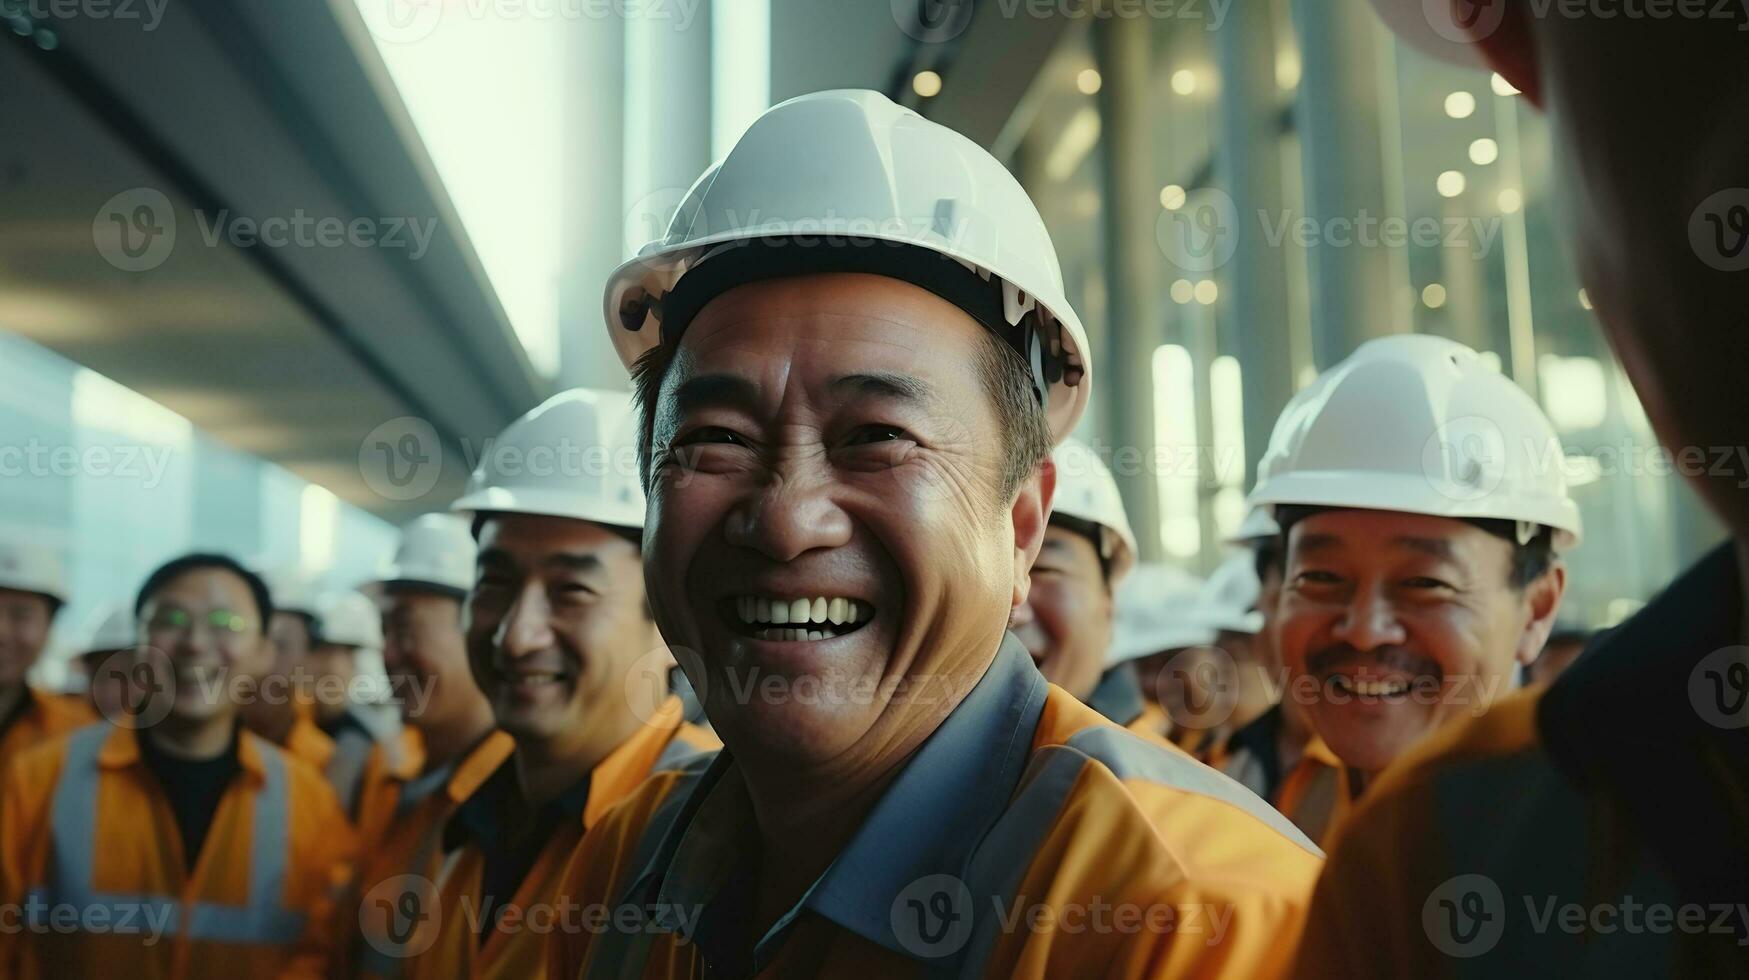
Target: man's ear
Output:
{"points": [[1510, 48], [1544, 596], [1030, 513]]}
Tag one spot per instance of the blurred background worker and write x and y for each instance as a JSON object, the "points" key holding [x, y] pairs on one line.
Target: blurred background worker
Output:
{"points": [[283, 711], [105, 658], [448, 721], [32, 591], [352, 630], [1066, 620], [1626, 777], [1155, 638], [1228, 606], [1423, 565], [1277, 755], [560, 640], [185, 847]]}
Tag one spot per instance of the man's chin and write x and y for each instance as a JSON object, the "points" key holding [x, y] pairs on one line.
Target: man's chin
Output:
{"points": [[1375, 742]]}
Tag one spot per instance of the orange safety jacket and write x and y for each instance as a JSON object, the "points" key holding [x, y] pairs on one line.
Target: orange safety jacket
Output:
{"points": [[516, 948], [1027, 837], [91, 853], [405, 817], [45, 717]]}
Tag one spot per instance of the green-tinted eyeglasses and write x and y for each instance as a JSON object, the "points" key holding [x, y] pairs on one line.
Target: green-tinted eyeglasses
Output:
{"points": [[181, 620]]}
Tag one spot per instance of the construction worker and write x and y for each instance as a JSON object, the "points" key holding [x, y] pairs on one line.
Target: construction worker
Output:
{"points": [[32, 591], [1066, 621], [105, 657], [1277, 755], [1228, 606], [853, 354], [1596, 826], [404, 806], [1423, 565], [1157, 625], [183, 848], [560, 640], [283, 709], [351, 626]]}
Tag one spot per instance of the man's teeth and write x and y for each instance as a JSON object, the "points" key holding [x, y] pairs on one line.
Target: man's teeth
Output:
{"points": [[1373, 689], [821, 612]]}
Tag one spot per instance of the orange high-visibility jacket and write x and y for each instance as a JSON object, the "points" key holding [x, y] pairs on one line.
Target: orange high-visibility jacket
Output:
{"points": [[516, 949], [46, 717], [91, 853], [406, 818], [1028, 837]]}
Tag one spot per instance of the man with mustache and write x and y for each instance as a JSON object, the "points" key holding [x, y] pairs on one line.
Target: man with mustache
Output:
{"points": [[1595, 827], [560, 641], [1422, 566], [853, 354]]}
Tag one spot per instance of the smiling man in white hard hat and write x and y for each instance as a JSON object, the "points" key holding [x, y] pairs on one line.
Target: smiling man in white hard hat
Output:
{"points": [[560, 640], [1422, 565], [1066, 621], [351, 628], [283, 711], [33, 589], [853, 354], [1617, 792]]}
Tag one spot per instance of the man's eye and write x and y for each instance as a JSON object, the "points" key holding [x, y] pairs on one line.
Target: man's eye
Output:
{"points": [[1317, 578], [1424, 582], [864, 435], [711, 435]]}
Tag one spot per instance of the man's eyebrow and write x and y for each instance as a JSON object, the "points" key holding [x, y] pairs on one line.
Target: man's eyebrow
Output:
{"points": [[715, 389], [884, 384], [1315, 543], [571, 562], [1432, 547]]}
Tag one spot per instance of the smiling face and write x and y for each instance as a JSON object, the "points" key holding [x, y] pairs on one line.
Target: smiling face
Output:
{"points": [[827, 444], [554, 624], [206, 621], [1406, 622], [1065, 622], [426, 656]]}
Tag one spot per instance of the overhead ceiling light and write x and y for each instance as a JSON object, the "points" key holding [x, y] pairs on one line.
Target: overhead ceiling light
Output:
{"points": [[1484, 151], [1172, 197], [1088, 81], [1460, 105], [1184, 81], [1451, 183], [1510, 201], [1433, 295], [1501, 86], [926, 83]]}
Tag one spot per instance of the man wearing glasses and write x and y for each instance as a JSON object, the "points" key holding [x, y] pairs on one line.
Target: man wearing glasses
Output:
{"points": [[171, 842]]}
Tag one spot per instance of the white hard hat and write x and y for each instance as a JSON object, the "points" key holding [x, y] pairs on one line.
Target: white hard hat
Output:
{"points": [[1087, 490], [1156, 611], [1445, 29], [350, 619], [1420, 425], [1229, 597], [292, 590], [113, 628], [436, 551], [852, 164], [575, 456], [27, 566], [1257, 525]]}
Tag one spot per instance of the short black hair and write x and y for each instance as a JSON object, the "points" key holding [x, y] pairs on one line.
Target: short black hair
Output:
{"points": [[1267, 552], [200, 561], [1006, 377], [1529, 559], [1093, 532]]}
